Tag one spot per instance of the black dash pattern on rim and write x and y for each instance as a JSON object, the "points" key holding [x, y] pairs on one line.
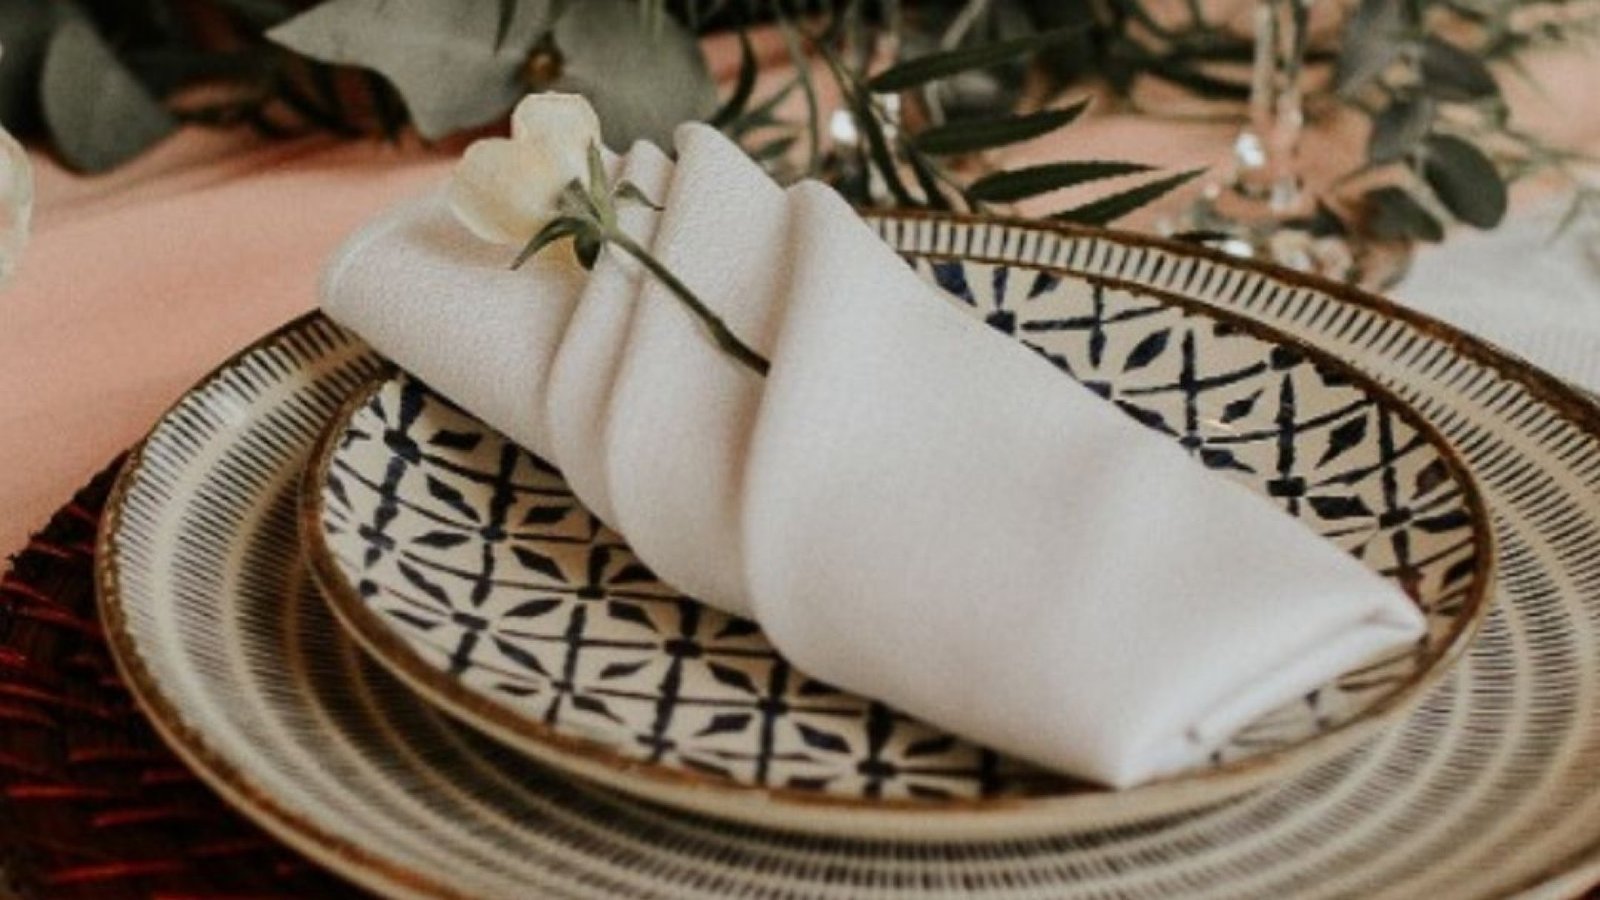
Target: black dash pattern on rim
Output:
{"points": [[480, 560]]}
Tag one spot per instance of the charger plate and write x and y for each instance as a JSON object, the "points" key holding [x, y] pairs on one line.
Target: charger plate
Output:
{"points": [[467, 568], [1490, 787]]}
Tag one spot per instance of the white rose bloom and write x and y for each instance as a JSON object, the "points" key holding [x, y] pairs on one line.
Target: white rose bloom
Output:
{"points": [[505, 190], [565, 121]]}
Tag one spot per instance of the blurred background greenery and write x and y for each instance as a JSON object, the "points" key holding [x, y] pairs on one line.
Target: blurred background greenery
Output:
{"points": [[927, 92]]}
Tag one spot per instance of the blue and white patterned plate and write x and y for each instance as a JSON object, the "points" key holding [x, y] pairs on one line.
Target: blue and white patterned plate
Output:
{"points": [[466, 567]]}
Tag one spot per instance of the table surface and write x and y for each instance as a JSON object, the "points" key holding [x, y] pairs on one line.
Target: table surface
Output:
{"points": [[138, 283]]}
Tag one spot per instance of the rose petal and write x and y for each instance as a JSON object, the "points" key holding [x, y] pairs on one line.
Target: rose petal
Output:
{"points": [[504, 191], [565, 123]]}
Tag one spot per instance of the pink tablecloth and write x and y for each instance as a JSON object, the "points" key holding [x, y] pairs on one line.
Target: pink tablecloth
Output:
{"points": [[137, 285]]}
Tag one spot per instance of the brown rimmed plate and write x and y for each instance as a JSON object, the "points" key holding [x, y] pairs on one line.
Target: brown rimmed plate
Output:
{"points": [[1489, 787]]}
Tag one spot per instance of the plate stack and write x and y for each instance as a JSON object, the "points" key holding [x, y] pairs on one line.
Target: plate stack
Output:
{"points": [[398, 642]]}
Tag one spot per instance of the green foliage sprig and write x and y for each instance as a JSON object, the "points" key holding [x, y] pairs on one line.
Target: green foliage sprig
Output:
{"points": [[103, 80], [112, 78]]}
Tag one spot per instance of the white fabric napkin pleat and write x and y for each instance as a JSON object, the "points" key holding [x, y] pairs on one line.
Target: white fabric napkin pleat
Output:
{"points": [[913, 506]]}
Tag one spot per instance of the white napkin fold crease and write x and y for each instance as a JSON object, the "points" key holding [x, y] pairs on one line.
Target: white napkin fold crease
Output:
{"points": [[913, 506]]}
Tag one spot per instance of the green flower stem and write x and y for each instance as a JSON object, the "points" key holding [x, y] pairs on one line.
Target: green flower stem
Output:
{"points": [[724, 336]]}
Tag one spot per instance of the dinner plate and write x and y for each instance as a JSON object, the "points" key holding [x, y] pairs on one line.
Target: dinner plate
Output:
{"points": [[467, 568], [1490, 787]]}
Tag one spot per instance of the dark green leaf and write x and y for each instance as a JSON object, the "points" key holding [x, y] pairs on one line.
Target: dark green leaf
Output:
{"points": [[442, 57], [934, 66], [643, 81], [296, 94], [587, 245], [98, 113], [743, 88], [927, 179], [388, 111], [1396, 215], [974, 135], [259, 13], [1004, 187], [24, 34], [631, 192], [777, 148], [327, 88], [802, 67], [1324, 222], [1220, 49], [25, 30], [1109, 209], [1195, 81], [163, 68], [763, 114], [1397, 129], [1464, 180], [1453, 74], [508, 15], [865, 116], [564, 227], [866, 119]]}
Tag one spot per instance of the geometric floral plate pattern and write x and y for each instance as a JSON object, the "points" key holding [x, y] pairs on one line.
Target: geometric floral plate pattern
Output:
{"points": [[466, 557]]}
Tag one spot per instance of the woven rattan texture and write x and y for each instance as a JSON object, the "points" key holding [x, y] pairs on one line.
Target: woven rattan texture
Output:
{"points": [[95, 806]]}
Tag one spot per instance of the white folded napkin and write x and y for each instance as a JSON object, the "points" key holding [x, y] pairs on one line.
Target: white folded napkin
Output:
{"points": [[912, 505]]}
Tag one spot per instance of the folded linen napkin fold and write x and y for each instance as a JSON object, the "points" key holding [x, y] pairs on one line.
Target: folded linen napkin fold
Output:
{"points": [[913, 506]]}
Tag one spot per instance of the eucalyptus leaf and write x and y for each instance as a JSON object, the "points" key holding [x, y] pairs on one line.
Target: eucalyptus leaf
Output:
{"points": [[97, 111], [443, 58], [642, 81], [1453, 74], [1393, 214], [1004, 187], [1114, 206], [934, 66], [973, 135], [1465, 180], [1373, 39], [1399, 128], [25, 30]]}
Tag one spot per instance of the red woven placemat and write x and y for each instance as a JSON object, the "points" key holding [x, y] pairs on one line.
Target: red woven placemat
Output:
{"points": [[95, 805]]}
